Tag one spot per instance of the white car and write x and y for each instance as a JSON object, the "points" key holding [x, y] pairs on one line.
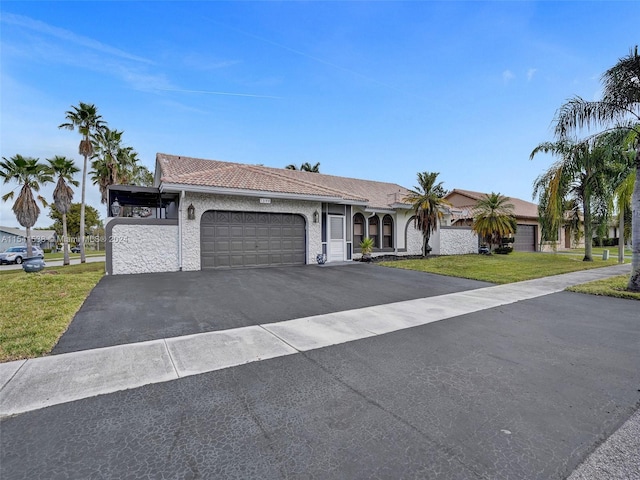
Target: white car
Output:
{"points": [[18, 254]]}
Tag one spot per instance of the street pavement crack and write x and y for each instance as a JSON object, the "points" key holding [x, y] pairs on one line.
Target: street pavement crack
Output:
{"points": [[441, 447]]}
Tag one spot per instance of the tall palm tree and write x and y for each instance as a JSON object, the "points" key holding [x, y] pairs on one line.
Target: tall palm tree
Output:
{"points": [[493, 218], [85, 118], [106, 168], [427, 206], [305, 167], [115, 164], [30, 174], [620, 108], [64, 169], [623, 194], [580, 175], [142, 176]]}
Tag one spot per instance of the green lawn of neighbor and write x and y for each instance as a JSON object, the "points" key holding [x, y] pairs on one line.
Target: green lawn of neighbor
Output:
{"points": [[515, 267], [38, 307], [60, 255]]}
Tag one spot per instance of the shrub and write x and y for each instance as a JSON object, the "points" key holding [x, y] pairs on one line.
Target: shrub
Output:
{"points": [[503, 250], [605, 242]]}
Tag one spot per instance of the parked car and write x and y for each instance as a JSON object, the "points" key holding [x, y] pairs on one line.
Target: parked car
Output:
{"points": [[18, 254], [75, 249]]}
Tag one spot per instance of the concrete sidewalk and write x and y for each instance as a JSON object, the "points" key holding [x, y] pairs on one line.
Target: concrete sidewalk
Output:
{"points": [[37, 383]]}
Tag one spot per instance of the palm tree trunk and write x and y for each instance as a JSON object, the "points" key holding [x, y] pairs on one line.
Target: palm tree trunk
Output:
{"points": [[65, 240], [84, 177], [621, 234], [634, 279], [588, 229], [29, 243]]}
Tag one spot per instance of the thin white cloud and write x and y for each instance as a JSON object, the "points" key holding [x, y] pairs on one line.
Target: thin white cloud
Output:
{"points": [[204, 63], [102, 58], [211, 92], [530, 73], [507, 76], [61, 33]]}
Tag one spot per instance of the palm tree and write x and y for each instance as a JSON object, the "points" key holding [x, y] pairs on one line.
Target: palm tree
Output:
{"points": [[580, 175], [85, 118], [305, 167], [623, 194], [106, 168], [620, 107], [30, 174], [142, 176], [114, 164], [427, 206], [493, 218], [64, 169]]}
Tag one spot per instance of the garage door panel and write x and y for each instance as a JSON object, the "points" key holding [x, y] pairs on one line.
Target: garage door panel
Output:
{"points": [[245, 239], [525, 238]]}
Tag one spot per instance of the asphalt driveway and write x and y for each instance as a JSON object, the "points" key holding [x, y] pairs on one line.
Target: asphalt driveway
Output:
{"points": [[133, 308]]}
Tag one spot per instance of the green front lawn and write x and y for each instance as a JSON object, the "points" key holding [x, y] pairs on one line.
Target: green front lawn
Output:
{"points": [[38, 307], [60, 255], [515, 267]]}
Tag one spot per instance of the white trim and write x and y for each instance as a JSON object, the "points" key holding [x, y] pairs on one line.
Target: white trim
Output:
{"points": [[180, 220], [375, 211], [330, 240]]}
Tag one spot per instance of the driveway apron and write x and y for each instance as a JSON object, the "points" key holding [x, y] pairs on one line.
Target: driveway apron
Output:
{"points": [[135, 308]]}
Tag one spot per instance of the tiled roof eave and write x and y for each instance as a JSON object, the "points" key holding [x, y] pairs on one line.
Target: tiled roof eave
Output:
{"points": [[177, 187]]}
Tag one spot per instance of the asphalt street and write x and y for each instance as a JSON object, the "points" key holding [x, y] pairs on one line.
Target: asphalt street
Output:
{"points": [[525, 391]]}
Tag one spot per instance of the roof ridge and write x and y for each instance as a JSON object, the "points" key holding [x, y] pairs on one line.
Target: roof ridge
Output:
{"points": [[219, 165], [266, 170], [342, 177]]}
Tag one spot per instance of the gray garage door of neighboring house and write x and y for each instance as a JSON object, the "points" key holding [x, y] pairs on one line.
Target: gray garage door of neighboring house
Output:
{"points": [[251, 239], [525, 238]]}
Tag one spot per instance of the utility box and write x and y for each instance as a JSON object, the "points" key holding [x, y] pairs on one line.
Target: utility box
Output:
{"points": [[605, 255]]}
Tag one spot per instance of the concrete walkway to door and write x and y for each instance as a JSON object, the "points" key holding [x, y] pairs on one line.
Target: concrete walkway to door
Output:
{"points": [[37, 383]]}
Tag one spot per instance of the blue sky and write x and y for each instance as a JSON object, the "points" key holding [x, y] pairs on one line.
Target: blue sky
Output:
{"points": [[375, 90]]}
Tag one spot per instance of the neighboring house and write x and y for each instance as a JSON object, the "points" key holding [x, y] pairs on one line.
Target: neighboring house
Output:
{"points": [[210, 214], [10, 237], [527, 237]]}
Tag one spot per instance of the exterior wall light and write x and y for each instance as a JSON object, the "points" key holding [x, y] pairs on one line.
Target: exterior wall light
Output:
{"points": [[316, 216], [115, 208], [191, 212]]}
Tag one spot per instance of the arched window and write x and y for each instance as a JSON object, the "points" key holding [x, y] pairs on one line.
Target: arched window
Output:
{"points": [[358, 230], [373, 231], [387, 232]]}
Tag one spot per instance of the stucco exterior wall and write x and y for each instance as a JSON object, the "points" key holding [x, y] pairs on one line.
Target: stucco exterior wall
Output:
{"points": [[139, 248], [457, 241], [414, 239], [203, 202]]}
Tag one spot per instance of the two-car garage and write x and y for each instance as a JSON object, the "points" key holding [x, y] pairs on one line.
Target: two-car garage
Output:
{"points": [[250, 239]]}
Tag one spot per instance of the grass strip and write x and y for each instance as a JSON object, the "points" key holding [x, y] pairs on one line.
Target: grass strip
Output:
{"points": [[609, 287], [38, 307]]}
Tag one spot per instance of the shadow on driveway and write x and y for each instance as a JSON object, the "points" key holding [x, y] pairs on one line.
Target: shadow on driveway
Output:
{"points": [[133, 308]]}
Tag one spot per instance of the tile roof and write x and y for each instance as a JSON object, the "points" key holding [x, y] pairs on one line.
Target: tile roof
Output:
{"points": [[523, 209], [213, 173]]}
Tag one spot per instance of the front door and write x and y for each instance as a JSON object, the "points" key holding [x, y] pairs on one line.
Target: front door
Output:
{"points": [[336, 238]]}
